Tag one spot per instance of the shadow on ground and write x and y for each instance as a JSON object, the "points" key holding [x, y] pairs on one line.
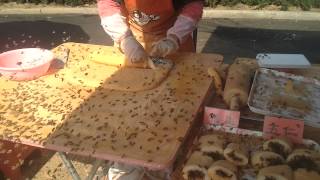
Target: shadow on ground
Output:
{"points": [[44, 34], [234, 42], [34, 162]]}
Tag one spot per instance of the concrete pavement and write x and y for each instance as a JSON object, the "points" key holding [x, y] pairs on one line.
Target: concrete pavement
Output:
{"points": [[248, 37]]}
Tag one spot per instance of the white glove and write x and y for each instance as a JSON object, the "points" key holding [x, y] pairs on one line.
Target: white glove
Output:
{"points": [[165, 47], [178, 33], [182, 28], [133, 50], [115, 26]]}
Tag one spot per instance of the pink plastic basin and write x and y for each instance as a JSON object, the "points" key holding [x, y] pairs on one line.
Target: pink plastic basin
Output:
{"points": [[25, 64]]}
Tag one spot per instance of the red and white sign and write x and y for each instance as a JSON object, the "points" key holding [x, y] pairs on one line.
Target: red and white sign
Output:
{"points": [[281, 127]]}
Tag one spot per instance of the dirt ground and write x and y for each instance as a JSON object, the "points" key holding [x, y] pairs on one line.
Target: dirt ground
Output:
{"points": [[48, 165]]}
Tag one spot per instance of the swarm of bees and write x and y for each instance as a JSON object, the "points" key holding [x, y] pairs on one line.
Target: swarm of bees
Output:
{"points": [[145, 125]]}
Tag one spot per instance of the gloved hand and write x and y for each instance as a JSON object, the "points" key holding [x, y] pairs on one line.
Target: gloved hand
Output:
{"points": [[165, 46], [133, 50]]}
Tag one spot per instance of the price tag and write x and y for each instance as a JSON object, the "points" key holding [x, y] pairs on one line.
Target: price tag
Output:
{"points": [[221, 117], [281, 127]]}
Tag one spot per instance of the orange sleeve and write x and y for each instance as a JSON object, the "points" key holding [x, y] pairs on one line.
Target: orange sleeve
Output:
{"points": [[193, 10], [108, 7], [113, 19]]}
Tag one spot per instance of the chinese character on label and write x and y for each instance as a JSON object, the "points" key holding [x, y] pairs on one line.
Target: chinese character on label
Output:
{"points": [[281, 127], [221, 117]]}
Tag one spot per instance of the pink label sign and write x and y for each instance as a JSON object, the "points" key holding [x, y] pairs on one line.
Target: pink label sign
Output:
{"points": [[281, 127], [222, 117]]}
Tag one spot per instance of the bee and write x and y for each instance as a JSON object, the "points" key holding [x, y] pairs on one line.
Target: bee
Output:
{"points": [[150, 139], [154, 133], [132, 143], [180, 139], [165, 128]]}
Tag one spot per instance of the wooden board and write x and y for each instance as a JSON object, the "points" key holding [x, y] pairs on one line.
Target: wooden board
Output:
{"points": [[144, 128]]}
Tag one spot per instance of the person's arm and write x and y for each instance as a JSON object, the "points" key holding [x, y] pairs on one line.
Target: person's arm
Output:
{"points": [[112, 19], [115, 25], [186, 23], [187, 20]]}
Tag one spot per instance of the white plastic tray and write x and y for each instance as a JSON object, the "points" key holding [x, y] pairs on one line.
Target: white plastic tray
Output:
{"points": [[277, 93], [267, 60]]}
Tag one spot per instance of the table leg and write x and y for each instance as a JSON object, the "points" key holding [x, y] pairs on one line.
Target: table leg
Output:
{"points": [[168, 173], [96, 165], [73, 172]]}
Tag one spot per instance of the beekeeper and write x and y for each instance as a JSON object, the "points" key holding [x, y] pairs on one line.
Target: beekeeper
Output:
{"points": [[142, 28]]}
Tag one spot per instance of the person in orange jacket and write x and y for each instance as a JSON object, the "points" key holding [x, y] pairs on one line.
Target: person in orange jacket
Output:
{"points": [[142, 28]]}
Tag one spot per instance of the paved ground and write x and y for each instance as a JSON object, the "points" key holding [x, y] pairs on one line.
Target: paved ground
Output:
{"points": [[231, 38]]}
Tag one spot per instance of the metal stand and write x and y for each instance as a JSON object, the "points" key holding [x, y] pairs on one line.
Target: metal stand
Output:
{"points": [[94, 169], [75, 176], [73, 172]]}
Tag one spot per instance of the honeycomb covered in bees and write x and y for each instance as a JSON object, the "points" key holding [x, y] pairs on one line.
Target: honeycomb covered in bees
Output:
{"points": [[143, 127]]}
